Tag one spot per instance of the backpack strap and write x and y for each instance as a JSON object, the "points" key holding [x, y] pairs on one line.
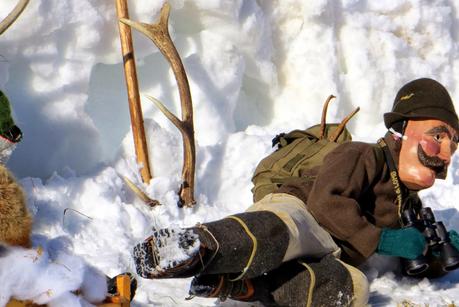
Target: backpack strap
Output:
{"points": [[379, 155], [398, 187]]}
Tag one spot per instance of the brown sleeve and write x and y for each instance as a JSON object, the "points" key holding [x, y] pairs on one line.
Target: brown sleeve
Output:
{"points": [[345, 175]]}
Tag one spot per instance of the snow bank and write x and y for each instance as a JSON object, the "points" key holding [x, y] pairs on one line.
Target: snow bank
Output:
{"points": [[256, 68]]}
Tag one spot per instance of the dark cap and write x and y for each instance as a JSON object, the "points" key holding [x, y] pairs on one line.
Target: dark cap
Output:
{"points": [[423, 98]]}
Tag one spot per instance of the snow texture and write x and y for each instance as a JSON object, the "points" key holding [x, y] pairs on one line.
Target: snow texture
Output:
{"points": [[178, 245], [47, 275], [256, 68], [167, 248]]}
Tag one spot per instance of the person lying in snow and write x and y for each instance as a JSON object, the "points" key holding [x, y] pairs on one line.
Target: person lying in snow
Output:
{"points": [[47, 273], [300, 245]]}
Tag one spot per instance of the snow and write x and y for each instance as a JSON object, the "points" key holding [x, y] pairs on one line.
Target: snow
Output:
{"points": [[31, 274], [179, 246], [256, 68]]}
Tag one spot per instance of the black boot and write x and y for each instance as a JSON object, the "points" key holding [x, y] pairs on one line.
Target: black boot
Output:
{"points": [[328, 282], [169, 253], [246, 245], [220, 286]]}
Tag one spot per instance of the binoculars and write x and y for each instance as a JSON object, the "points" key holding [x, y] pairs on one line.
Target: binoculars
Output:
{"points": [[441, 256]]}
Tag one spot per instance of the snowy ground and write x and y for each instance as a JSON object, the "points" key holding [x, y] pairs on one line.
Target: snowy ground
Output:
{"points": [[256, 68]]}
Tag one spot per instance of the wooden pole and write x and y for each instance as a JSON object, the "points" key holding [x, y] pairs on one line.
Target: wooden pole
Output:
{"points": [[135, 108]]}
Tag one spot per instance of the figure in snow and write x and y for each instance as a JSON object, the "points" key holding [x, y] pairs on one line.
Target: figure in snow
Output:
{"points": [[301, 245]]}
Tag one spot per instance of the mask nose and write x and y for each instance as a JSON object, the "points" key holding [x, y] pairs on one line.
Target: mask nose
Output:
{"points": [[446, 151]]}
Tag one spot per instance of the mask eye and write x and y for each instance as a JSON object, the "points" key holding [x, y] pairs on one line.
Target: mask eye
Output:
{"points": [[437, 137]]}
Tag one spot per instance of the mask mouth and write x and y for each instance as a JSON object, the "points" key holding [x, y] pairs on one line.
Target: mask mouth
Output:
{"points": [[434, 163]]}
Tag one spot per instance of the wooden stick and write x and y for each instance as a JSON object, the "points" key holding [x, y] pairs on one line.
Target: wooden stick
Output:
{"points": [[323, 121], [342, 125], [11, 18], [135, 108], [140, 194]]}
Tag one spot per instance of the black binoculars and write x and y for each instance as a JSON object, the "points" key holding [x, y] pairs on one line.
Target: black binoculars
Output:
{"points": [[440, 254]]}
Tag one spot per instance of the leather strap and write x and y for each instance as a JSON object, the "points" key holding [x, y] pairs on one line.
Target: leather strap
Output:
{"points": [[398, 187]]}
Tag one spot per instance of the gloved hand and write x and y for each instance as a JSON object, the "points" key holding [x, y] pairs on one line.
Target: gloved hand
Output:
{"points": [[454, 238], [405, 242]]}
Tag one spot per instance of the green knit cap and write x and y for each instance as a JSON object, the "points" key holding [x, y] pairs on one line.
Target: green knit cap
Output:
{"points": [[8, 129], [423, 98]]}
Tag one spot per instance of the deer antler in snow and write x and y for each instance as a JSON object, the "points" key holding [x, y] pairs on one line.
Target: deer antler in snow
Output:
{"points": [[159, 34]]}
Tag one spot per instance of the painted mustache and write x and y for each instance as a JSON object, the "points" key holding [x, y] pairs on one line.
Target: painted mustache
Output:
{"points": [[435, 163]]}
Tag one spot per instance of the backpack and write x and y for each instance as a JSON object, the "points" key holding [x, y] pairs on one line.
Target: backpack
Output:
{"points": [[298, 151]]}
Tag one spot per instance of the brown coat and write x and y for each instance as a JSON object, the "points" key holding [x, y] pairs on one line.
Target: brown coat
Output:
{"points": [[352, 197]]}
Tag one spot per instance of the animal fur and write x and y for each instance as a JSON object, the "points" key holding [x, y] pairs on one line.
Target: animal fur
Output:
{"points": [[15, 219]]}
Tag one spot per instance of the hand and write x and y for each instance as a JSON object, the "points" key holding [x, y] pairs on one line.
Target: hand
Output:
{"points": [[454, 238], [405, 242]]}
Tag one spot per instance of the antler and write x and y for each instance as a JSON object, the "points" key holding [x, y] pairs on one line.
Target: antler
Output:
{"points": [[159, 34], [342, 125], [11, 18], [323, 121]]}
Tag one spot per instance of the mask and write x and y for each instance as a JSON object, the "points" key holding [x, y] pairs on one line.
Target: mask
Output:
{"points": [[426, 152]]}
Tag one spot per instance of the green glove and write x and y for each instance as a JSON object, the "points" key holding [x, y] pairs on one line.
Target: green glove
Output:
{"points": [[454, 238], [405, 242]]}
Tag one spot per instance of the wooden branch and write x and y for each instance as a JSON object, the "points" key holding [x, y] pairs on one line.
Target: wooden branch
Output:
{"points": [[140, 194], [11, 18], [159, 34], [135, 108], [323, 121], [342, 125]]}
